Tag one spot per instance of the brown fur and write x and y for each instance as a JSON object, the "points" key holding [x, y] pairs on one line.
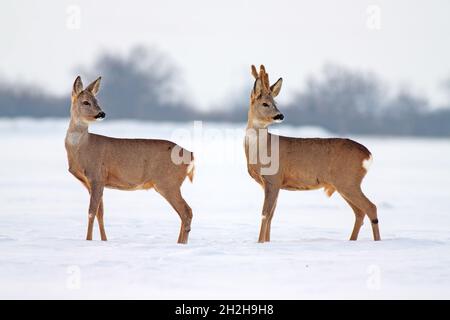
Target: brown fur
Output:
{"points": [[306, 164], [125, 164]]}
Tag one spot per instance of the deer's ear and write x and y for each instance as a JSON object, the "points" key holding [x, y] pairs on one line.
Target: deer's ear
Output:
{"points": [[77, 87], [94, 87], [257, 87], [276, 87]]}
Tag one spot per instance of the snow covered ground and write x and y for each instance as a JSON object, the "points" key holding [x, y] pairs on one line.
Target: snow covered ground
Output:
{"points": [[43, 217]]}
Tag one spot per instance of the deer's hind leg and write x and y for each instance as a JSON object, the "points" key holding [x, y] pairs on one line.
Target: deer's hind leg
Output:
{"points": [[173, 196], [358, 199], [359, 219]]}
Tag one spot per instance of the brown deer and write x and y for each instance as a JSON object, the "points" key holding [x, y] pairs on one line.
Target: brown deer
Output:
{"points": [[302, 164], [124, 164]]}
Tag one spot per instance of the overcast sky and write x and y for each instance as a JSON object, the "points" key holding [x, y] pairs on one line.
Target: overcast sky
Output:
{"points": [[214, 42]]}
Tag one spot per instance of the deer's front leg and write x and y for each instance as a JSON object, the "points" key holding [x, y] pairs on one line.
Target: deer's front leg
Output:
{"points": [[101, 224], [96, 192], [270, 199]]}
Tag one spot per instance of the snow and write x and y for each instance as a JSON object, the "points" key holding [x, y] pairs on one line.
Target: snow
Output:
{"points": [[43, 219]]}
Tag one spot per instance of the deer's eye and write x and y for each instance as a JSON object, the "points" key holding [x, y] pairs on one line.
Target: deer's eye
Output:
{"points": [[86, 103], [265, 104]]}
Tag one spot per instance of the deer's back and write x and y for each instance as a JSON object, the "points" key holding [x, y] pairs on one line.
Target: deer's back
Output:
{"points": [[312, 163], [309, 163], [130, 164]]}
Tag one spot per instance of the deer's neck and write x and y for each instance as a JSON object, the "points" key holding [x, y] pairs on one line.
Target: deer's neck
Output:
{"points": [[77, 131], [254, 132], [256, 127], [255, 124]]}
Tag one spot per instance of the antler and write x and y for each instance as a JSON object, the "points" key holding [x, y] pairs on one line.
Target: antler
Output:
{"points": [[264, 77], [254, 72]]}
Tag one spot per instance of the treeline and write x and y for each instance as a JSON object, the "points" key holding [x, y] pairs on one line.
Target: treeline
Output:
{"points": [[345, 101], [338, 99]]}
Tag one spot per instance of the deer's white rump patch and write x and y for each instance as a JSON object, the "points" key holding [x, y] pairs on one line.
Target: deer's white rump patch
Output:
{"points": [[367, 163], [190, 167], [190, 170]]}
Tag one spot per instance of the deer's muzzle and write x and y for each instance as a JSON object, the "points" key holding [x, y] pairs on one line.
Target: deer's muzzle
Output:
{"points": [[279, 117], [100, 115]]}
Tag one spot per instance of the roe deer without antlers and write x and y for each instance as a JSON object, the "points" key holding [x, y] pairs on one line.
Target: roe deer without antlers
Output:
{"points": [[303, 164], [124, 164]]}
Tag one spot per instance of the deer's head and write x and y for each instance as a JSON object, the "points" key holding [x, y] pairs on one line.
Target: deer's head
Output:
{"points": [[263, 110], [85, 107]]}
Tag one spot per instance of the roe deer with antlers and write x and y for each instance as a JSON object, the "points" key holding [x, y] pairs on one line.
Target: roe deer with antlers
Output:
{"points": [[302, 164], [124, 164]]}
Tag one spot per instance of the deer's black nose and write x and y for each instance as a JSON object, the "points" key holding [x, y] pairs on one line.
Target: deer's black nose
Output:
{"points": [[278, 117], [101, 115]]}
